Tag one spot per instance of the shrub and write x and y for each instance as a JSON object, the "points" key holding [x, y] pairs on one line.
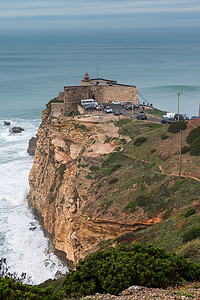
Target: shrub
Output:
{"points": [[114, 157], [81, 126], [118, 148], [177, 126], [195, 147], [94, 168], [139, 141], [113, 270], [113, 180], [153, 150], [123, 141], [164, 136], [189, 212], [193, 135], [142, 201], [61, 169], [185, 149], [191, 234]]}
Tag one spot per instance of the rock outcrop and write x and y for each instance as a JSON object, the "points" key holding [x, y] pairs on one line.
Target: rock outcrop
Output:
{"points": [[59, 188], [17, 129], [32, 146]]}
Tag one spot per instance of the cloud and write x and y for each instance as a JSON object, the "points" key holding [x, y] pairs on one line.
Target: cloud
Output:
{"points": [[65, 14], [78, 8]]}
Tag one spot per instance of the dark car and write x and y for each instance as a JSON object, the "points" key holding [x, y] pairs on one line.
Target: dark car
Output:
{"points": [[167, 121], [117, 112], [181, 118], [128, 107], [194, 118], [185, 117], [141, 117]]}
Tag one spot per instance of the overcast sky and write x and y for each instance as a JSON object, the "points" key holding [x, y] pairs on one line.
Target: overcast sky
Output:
{"points": [[38, 15]]}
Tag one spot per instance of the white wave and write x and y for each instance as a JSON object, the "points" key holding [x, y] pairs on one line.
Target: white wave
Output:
{"points": [[22, 240]]}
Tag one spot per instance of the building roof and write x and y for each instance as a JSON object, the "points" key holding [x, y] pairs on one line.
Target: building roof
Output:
{"points": [[114, 82]]}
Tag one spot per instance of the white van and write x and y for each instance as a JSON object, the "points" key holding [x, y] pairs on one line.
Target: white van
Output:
{"points": [[169, 115], [89, 102]]}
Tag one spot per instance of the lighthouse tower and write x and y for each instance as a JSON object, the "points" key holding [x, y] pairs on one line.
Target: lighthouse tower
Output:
{"points": [[86, 77]]}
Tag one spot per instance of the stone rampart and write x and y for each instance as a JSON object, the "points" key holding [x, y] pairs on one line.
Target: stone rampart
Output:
{"points": [[102, 93]]}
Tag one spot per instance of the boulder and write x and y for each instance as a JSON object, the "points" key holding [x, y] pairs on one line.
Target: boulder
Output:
{"points": [[17, 129], [6, 123], [32, 146]]}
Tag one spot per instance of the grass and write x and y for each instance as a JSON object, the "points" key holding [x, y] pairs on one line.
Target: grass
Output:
{"points": [[156, 112], [138, 190]]}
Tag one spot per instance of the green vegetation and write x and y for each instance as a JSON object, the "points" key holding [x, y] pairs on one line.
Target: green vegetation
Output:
{"points": [[185, 149], [133, 128], [81, 126], [156, 112], [193, 140], [113, 180], [191, 234], [61, 170], [140, 140], [177, 126], [164, 136], [111, 271], [193, 135], [189, 212], [195, 147]]}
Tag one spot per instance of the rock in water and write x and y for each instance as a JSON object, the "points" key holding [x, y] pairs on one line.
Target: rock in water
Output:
{"points": [[6, 123], [17, 129], [32, 146]]}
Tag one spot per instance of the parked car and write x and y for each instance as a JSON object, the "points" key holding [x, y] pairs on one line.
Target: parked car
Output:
{"points": [[99, 107], [108, 110], [194, 118], [181, 118], [141, 117], [117, 112], [169, 115], [185, 117], [90, 107], [128, 107], [167, 120], [126, 103], [116, 102]]}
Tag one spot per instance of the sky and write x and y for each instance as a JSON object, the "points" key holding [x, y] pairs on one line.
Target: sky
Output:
{"points": [[78, 15]]}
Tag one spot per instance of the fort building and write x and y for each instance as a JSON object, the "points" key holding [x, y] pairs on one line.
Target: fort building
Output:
{"points": [[102, 90]]}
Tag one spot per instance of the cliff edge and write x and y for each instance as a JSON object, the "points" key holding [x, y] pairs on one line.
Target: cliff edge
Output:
{"points": [[67, 150]]}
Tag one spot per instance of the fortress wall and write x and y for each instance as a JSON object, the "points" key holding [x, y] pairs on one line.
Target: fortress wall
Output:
{"points": [[74, 95], [121, 93]]}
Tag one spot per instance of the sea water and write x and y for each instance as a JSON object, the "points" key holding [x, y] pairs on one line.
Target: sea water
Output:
{"points": [[34, 72]]}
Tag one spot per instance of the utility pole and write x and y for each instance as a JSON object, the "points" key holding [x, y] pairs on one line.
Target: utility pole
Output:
{"points": [[199, 111], [180, 154], [178, 102], [119, 126], [132, 106]]}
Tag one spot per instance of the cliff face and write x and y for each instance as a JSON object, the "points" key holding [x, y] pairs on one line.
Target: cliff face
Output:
{"points": [[59, 186]]}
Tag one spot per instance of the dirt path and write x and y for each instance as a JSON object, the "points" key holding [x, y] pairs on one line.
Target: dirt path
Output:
{"points": [[161, 169]]}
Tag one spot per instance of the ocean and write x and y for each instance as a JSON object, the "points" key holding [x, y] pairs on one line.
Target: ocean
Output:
{"points": [[32, 72]]}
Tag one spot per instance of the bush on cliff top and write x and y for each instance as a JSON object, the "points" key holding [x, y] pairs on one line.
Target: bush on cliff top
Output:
{"points": [[177, 126], [114, 270]]}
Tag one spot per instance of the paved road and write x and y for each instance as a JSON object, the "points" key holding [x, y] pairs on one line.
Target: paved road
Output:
{"points": [[130, 113]]}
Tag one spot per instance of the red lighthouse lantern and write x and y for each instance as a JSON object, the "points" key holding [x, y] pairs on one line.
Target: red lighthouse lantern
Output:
{"points": [[86, 77]]}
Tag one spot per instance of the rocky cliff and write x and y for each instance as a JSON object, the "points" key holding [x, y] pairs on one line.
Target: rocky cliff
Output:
{"points": [[60, 185]]}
